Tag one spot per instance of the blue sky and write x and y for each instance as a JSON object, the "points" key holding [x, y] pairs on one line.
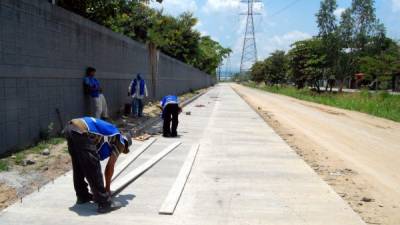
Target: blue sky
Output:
{"points": [[281, 21]]}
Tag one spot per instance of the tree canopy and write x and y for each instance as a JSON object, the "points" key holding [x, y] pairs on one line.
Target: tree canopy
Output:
{"points": [[175, 36], [356, 43]]}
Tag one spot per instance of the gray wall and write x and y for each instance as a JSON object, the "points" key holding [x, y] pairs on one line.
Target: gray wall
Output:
{"points": [[44, 51]]}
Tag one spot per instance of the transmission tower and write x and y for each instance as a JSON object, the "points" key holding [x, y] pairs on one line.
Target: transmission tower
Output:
{"points": [[228, 65], [249, 53]]}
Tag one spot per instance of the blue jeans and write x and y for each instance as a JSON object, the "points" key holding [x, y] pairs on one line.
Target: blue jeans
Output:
{"points": [[137, 107]]}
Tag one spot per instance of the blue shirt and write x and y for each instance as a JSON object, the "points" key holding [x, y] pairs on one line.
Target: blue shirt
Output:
{"points": [[169, 99], [94, 85], [108, 131]]}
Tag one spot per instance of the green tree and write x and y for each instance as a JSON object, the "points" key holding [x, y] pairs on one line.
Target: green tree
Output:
{"points": [[257, 72], [276, 67], [345, 65], [175, 36], [307, 62], [210, 55], [326, 19], [381, 67], [364, 26], [328, 32]]}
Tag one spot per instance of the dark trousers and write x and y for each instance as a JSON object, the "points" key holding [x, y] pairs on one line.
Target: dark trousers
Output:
{"points": [[170, 113], [86, 164]]}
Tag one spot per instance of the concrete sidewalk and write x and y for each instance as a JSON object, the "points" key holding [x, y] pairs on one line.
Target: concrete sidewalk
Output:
{"points": [[244, 174]]}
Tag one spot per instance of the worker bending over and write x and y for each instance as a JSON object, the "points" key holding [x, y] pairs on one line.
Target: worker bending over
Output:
{"points": [[170, 112], [90, 141]]}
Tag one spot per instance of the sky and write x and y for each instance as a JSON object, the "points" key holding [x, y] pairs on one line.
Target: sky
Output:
{"points": [[280, 23]]}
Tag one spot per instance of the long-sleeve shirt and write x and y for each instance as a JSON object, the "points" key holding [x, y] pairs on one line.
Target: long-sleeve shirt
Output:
{"points": [[94, 86]]}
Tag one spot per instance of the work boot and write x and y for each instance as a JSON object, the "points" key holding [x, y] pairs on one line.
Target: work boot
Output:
{"points": [[113, 205], [80, 200]]}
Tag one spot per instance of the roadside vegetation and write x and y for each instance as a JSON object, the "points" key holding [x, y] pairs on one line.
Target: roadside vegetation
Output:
{"points": [[175, 36], [381, 104], [26, 156], [351, 49]]}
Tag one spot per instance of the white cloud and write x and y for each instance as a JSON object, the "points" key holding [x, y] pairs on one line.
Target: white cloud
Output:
{"points": [[396, 5], [230, 5], [175, 7], [338, 12], [221, 5], [282, 42]]}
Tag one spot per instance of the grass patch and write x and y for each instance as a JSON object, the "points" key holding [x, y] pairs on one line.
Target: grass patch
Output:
{"points": [[3, 165], [381, 104], [43, 145], [18, 157]]}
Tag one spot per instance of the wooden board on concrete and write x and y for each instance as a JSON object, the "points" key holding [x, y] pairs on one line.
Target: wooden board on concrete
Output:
{"points": [[118, 185], [132, 157], [170, 203]]}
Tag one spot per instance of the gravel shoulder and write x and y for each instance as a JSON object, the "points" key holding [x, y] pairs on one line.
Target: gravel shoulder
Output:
{"points": [[357, 154]]}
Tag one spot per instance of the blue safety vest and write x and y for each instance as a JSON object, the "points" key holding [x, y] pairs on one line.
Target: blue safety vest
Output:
{"points": [[142, 84], [105, 129], [169, 99]]}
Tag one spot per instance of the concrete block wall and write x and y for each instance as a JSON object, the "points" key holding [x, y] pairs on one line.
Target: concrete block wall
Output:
{"points": [[44, 51]]}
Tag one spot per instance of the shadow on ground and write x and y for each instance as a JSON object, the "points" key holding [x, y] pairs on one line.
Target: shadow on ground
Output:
{"points": [[90, 209]]}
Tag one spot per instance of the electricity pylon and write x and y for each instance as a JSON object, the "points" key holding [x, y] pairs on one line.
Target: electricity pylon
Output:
{"points": [[249, 53]]}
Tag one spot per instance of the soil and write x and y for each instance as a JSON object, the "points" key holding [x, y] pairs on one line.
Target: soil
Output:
{"points": [[356, 154], [21, 180]]}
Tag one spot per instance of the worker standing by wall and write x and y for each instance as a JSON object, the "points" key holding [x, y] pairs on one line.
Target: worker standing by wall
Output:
{"points": [[138, 91], [93, 89], [170, 113], [90, 141]]}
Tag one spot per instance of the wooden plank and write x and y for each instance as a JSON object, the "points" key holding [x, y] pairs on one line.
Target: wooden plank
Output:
{"points": [[170, 203], [132, 157], [118, 185]]}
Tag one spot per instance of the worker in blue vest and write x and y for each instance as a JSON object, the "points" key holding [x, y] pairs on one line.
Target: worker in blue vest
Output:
{"points": [[170, 113], [138, 91], [97, 99], [90, 141]]}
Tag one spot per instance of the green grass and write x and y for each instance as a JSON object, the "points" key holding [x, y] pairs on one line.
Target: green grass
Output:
{"points": [[18, 157], [3, 165], [381, 104]]}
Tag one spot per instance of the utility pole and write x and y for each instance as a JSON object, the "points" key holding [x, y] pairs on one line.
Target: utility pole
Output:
{"points": [[249, 53]]}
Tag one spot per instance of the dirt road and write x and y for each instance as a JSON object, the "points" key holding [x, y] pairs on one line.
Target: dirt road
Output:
{"points": [[357, 154]]}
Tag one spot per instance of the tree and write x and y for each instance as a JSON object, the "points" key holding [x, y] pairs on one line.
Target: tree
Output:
{"points": [[175, 36], [364, 26], [328, 32], [210, 55], [257, 72], [381, 67], [326, 19], [307, 62], [276, 67]]}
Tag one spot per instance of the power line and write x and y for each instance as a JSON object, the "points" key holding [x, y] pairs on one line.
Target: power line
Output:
{"points": [[288, 6]]}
